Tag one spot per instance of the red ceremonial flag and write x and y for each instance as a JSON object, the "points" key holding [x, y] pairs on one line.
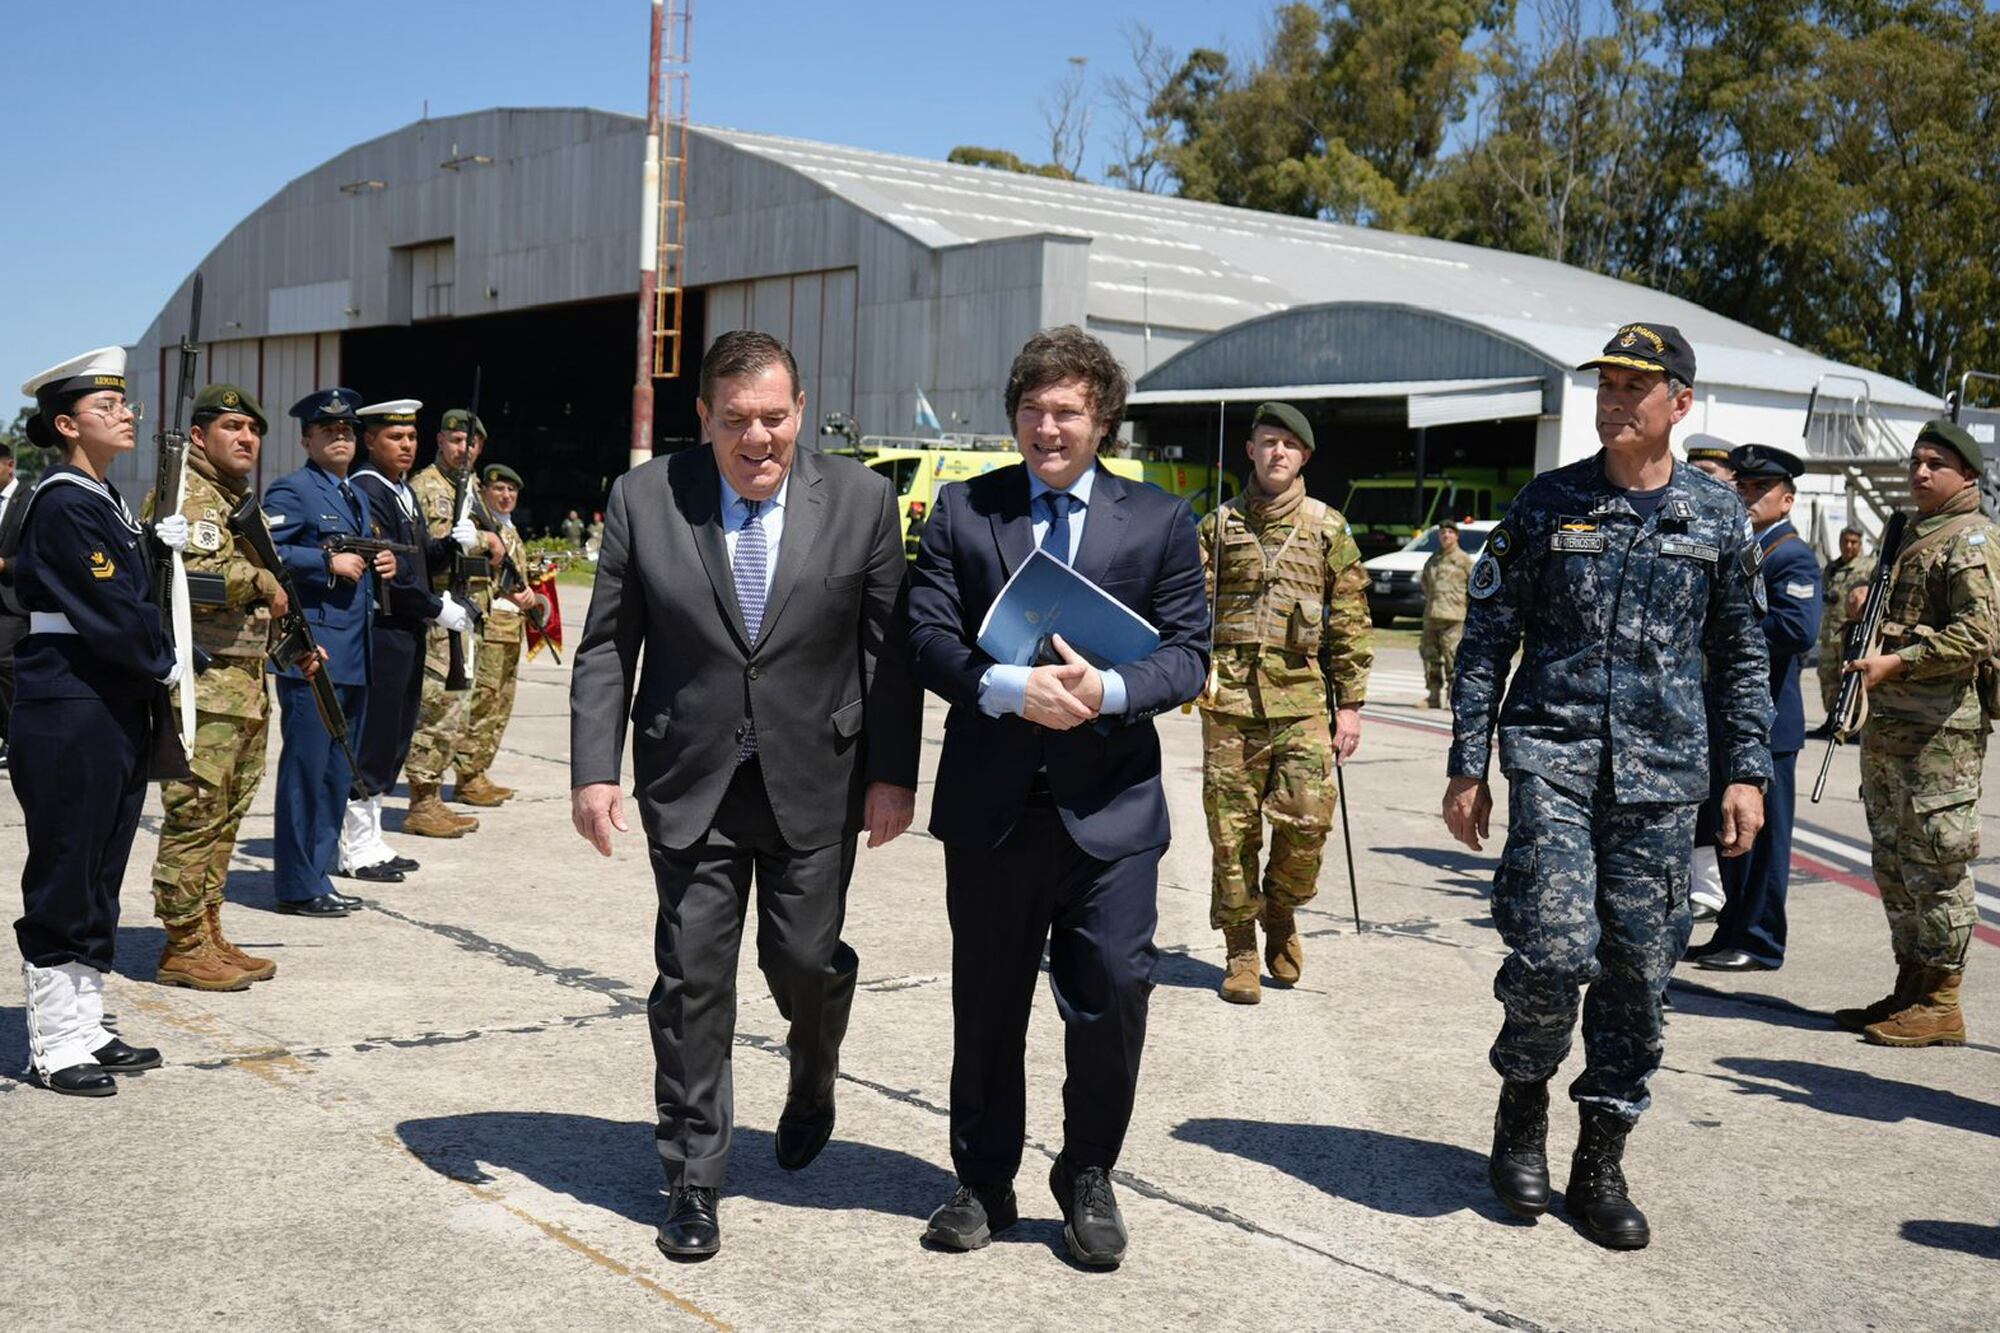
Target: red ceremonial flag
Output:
{"points": [[551, 627]]}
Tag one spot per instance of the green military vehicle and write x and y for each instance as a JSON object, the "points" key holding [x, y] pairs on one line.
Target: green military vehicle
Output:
{"points": [[1386, 512]]}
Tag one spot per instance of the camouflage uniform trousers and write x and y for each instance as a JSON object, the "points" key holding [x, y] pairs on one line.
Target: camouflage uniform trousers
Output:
{"points": [[442, 718], [492, 705], [203, 814], [1589, 893], [1920, 787], [1280, 769], [1438, 646]]}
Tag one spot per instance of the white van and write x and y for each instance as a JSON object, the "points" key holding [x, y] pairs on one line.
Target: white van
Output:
{"points": [[1393, 587]]}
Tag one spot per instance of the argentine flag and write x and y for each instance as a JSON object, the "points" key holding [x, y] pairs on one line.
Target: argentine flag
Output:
{"points": [[926, 418]]}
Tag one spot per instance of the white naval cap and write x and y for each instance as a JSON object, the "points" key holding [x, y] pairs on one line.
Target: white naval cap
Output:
{"points": [[102, 368], [395, 412]]}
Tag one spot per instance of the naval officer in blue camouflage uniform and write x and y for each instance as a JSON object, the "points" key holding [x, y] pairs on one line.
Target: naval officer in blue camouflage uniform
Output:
{"points": [[1617, 578]]}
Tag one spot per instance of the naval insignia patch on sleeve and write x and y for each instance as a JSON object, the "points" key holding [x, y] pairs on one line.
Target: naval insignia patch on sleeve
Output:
{"points": [[1485, 576]]}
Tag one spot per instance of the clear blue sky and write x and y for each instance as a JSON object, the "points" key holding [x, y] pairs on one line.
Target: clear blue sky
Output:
{"points": [[132, 142]]}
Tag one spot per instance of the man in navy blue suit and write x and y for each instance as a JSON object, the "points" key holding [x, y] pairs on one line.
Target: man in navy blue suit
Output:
{"points": [[1750, 932], [307, 509], [1048, 796]]}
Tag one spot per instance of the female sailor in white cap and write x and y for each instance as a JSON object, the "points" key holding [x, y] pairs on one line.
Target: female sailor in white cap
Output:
{"points": [[88, 671]]}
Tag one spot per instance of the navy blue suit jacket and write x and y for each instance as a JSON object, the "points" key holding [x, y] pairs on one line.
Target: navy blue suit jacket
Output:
{"points": [[306, 508], [1791, 627], [1139, 546]]}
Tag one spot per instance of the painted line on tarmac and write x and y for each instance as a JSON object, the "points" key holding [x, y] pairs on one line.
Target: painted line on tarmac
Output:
{"points": [[621, 993]]}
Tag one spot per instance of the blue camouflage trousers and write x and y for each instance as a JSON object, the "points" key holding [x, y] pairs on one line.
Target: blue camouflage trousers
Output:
{"points": [[1590, 893]]}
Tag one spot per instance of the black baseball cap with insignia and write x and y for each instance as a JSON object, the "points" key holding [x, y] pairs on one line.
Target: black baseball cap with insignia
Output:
{"points": [[1755, 461], [1656, 347], [328, 405], [219, 399]]}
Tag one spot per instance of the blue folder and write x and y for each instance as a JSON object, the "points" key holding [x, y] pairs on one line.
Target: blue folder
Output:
{"points": [[1046, 597]]}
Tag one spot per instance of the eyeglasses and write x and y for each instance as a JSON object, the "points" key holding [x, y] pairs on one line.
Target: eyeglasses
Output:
{"points": [[113, 412]]}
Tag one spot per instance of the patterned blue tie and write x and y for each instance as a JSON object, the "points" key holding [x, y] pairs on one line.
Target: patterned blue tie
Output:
{"points": [[1055, 541], [752, 557]]}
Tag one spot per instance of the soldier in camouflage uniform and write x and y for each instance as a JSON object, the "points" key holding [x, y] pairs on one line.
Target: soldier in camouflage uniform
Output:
{"points": [[1617, 578], [1848, 571], [1924, 745], [499, 652], [445, 714], [1291, 646], [233, 599], [1444, 579]]}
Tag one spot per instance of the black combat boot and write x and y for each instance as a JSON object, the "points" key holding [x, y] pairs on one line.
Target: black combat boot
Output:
{"points": [[1519, 1166], [1596, 1194]]}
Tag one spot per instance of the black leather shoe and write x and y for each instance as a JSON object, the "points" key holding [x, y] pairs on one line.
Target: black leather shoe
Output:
{"points": [[382, 872], [1696, 952], [801, 1136], [1518, 1168], [1092, 1224], [327, 904], [119, 1058], [1596, 1194], [347, 900], [1733, 960], [691, 1230], [972, 1216], [402, 863], [85, 1080]]}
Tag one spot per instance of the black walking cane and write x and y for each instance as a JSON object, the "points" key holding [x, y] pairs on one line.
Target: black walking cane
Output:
{"points": [[1347, 842]]}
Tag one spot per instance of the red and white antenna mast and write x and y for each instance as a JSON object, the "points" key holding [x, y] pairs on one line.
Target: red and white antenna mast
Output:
{"points": [[663, 222]]}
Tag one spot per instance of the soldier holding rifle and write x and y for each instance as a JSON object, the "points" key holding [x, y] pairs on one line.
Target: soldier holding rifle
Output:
{"points": [[1923, 746]]}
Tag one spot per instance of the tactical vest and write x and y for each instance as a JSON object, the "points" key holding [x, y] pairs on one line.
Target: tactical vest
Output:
{"points": [[1917, 598], [219, 630], [1279, 600]]}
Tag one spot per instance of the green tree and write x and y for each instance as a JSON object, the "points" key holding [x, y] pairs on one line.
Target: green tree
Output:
{"points": [[31, 461], [999, 159]]}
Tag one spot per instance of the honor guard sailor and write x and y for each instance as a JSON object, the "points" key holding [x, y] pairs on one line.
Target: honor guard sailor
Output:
{"points": [[88, 674]]}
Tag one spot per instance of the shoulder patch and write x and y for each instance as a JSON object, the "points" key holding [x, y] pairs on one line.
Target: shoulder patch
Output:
{"points": [[205, 536], [101, 565], [1976, 539], [1499, 544], [1485, 576], [1801, 590]]}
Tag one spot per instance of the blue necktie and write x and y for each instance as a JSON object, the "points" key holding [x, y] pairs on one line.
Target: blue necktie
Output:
{"points": [[1055, 541], [752, 557]]}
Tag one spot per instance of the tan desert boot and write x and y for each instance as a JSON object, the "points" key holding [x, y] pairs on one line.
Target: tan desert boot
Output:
{"points": [[1932, 1019], [428, 818], [481, 790], [191, 961], [258, 969], [1240, 983], [1284, 951]]}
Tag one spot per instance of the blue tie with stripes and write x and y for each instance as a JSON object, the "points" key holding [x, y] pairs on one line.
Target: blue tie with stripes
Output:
{"points": [[752, 558]]}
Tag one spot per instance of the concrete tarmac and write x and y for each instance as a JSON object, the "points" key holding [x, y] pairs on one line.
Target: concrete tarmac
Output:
{"points": [[438, 1115]]}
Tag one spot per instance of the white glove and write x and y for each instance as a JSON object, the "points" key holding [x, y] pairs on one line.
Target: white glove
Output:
{"points": [[172, 532], [173, 676], [467, 536], [452, 617]]}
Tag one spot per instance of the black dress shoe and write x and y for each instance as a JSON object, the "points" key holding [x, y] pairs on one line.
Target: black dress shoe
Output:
{"points": [[801, 1136], [116, 1056], [347, 900], [84, 1080], [402, 863], [327, 904], [972, 1216], [1697, 952], [382, 872], [1733, 960], [1092, 1224], [691, 1230]]}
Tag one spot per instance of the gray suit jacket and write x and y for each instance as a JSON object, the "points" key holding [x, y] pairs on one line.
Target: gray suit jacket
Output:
{"points": [[826, 679]]}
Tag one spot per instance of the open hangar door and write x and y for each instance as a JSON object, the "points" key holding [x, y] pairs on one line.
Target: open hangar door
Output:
{"points": [[555, 393]]}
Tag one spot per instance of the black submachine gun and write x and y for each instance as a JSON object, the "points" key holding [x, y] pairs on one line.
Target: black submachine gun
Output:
{"points": [[1864, 639]]}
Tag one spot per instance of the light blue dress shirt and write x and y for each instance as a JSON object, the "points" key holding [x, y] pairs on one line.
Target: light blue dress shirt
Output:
{"points": [[735, 513], [1004, 687]]}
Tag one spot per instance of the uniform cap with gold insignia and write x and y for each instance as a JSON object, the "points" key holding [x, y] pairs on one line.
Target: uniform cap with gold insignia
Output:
{"points": [[395, 412], [56, 389], [501, 472], [1706, 448], [457, 418], [219, 399], [327, 405], [1657, 347]]}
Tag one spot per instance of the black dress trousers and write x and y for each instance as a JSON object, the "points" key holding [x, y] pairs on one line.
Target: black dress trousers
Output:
{"points": [[395, 696]]}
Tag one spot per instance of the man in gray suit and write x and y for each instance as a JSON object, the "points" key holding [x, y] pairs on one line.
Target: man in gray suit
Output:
{"points": [[777, 720]]}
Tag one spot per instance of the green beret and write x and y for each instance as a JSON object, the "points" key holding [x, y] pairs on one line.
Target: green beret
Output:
{"points": [[458, 416], [1947, 434], [1285, 417], [501, 472], [219, 398]]}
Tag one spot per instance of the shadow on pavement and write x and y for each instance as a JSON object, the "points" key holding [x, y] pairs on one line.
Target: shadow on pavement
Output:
{"points": [[1384, 1172], [1849, 1092], [1175, 968], [1712, 1002], [136, 954], [1475, 871], [613, 1165], [1973, 1239]]}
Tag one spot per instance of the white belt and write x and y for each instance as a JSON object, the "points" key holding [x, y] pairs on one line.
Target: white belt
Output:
{"points": [[49, 622]]}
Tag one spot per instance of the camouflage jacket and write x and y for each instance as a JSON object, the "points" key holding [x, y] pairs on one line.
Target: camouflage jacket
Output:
{"points": [[1841, 578], [504, 621], [1444, 579], [1318, 644], [1615, 618], [432, 489], [228, 594], [1940, 621]]}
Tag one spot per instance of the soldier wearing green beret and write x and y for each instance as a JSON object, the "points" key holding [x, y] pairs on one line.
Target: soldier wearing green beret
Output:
{"points": [[1923, 748], [445, 714], [1292, 654], [499, 657], [233, 599]]}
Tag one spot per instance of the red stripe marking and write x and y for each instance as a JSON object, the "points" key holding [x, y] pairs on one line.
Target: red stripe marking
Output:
{"points": [[1825, 870]]}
